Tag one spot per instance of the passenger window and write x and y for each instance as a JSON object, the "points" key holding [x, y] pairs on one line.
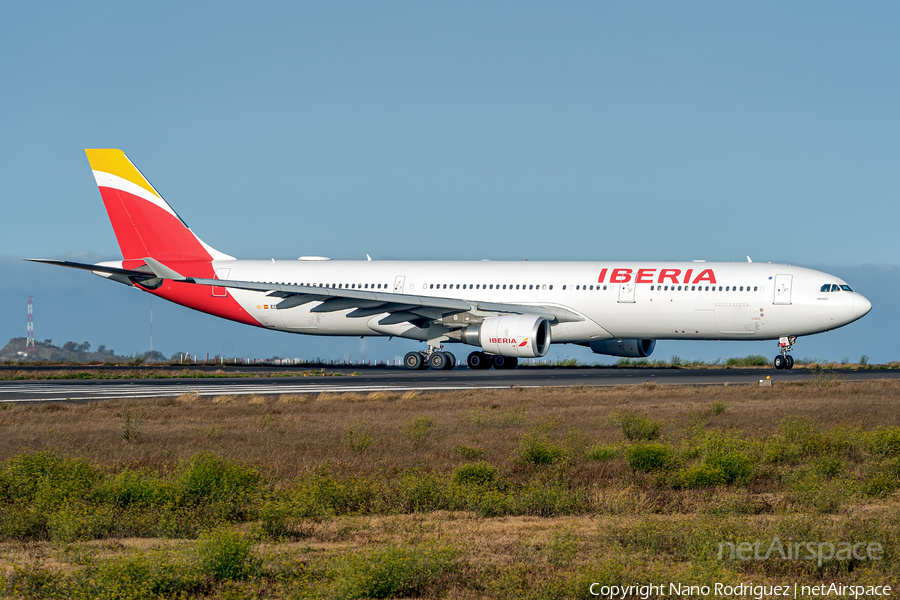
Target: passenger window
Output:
{"points": [[531, 287], [564, 287], [693, 288], [592, 287], [666, 289], [679, 288], [651, 288], [754, 288], [604, 287]]}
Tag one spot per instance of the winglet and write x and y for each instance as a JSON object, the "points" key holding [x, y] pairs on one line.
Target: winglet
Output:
{"points": [[162, 271]]}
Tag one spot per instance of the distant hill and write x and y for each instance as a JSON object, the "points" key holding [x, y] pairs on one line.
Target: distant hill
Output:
{"points": [[45, 351]]}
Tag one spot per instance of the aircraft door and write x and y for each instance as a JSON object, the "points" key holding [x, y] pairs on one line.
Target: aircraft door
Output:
{"points": [[398, 284], [783, 289], [626, 291], [219, 291]]}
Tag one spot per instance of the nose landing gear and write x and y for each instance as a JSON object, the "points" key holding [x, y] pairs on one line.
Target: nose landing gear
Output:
{"points": [[785, 360]]}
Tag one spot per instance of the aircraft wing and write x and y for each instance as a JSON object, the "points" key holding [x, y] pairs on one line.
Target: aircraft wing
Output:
{"points": [[366, 303]]}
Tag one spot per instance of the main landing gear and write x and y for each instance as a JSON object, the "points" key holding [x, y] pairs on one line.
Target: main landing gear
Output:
{"points": [[482, 360], [785, 360], [437, 360]]}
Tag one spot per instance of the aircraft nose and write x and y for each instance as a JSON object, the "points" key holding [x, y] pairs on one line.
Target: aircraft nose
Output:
{"points": [[861, 305]]}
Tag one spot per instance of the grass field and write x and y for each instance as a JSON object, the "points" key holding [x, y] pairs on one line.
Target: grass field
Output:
{"points": [[532, 493]]}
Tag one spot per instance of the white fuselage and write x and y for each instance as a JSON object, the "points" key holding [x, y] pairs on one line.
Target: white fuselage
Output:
{"points": [[653, 300]]}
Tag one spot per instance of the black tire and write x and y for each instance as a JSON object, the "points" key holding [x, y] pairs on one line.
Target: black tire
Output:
{"points": [[779, 362], [413, 361], [451, 361], [504, 362], [437, 361], [478, 361], [789, 362]]}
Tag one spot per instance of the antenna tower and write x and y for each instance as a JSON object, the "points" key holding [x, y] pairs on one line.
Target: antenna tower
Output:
{"points": [[29, 338]]}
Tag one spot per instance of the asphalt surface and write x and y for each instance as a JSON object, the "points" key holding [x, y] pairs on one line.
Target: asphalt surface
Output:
{"points": [[363, 379]]}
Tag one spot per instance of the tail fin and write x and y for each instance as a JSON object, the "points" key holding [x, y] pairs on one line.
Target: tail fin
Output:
{"points": [[144, 223]]}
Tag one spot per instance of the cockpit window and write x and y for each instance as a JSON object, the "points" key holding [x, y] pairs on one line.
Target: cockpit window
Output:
{"points": [[846, 288], [826, 288], [835, 287]]}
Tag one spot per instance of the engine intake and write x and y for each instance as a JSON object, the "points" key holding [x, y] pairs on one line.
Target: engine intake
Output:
{"points": [[520, 336], [629, 348]]}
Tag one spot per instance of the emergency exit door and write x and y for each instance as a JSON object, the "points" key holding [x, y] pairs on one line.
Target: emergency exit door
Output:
{"points": [[626, 292], [398, 284], [783, 289]]}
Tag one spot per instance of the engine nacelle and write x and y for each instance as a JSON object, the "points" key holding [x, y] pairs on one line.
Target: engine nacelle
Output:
{"points": [[520, 336], [628, 348]]}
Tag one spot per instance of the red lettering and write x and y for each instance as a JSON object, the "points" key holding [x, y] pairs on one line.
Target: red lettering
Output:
{"points": [[643, 274], [602, 276], [706, 275], [620, 276], [687, 275], [671, 274]]}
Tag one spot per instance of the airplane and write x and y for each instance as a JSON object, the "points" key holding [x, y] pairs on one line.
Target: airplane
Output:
{"points": [[508, 310]]}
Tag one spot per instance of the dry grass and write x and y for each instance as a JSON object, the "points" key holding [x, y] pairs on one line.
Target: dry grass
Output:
{"points": [[287, 435], [628, 526]]}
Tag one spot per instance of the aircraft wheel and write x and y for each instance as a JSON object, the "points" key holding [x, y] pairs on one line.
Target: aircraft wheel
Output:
{"points": [[789, 362], [505, 362], [413, 361], [437, 361], [779, 362], [451, 361], [478, 360]]}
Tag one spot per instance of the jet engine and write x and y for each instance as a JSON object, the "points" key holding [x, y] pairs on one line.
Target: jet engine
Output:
{"points": [[520, 336], [629, 348]]}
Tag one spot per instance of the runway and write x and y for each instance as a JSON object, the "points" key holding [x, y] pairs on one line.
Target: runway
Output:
{"points": [[364, 380]]}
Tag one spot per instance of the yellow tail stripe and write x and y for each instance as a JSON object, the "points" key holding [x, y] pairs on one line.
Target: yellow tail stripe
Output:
{"points": [[115, 162]]}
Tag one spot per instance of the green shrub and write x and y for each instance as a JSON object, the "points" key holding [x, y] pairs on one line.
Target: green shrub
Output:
{"points": [[828, 466], [637, 427], [469, 452], [601, 452], [546, 499], [735, 466], [123, 578], [702, 475], [562, 547], [477, 474], [227, 486], [393, 572], [225, 553], [422, 492], [752, 360], [886, 441], [718, 408], [419, 429], [536, 449], [356, 440], [278, 518], [650, 457]]}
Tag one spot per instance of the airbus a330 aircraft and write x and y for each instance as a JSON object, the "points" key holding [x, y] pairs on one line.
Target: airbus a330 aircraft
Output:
{"points": [[509, 310]]}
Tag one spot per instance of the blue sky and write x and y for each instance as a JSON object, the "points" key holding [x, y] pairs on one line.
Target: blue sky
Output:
{"points": [[576, 131]]}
